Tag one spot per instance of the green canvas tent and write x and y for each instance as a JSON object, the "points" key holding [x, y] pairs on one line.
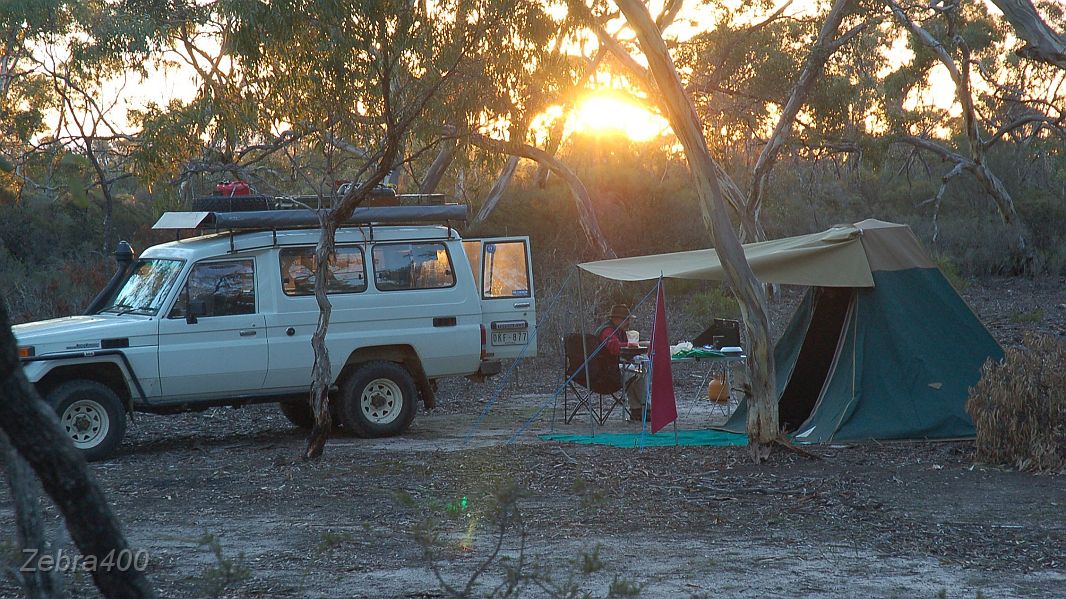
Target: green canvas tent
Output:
{"points": [[881, 347]]}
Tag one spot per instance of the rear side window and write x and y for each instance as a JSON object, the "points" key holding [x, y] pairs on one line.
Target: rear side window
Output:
{"points": [[506, 272], [346, 272], [399, 266]]}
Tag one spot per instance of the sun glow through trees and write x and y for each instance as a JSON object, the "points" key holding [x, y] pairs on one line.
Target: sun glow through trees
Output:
{"points": [[603, 113]]}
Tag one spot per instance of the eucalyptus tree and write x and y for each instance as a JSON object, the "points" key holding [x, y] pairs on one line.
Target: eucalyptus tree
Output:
{"points": [[1043, 43], [534, 72], [32, 91], [25, 93], [661, 80], [970, 45], [869, 94]]}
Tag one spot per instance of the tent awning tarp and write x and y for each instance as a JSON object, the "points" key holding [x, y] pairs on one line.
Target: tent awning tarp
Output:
{"points": [[833, 258]]}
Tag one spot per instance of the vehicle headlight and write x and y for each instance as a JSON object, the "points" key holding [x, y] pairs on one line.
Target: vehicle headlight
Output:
{"points": [[26, 351]]}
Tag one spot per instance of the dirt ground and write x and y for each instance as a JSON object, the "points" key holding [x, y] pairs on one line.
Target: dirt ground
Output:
{"points": [[880, 520]]}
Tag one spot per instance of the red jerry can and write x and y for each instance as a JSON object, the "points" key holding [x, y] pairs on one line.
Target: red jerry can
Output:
{"points": [[233, 188]]}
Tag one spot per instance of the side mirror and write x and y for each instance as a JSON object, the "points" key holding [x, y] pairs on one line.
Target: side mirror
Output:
{"points": [[194, 311]]}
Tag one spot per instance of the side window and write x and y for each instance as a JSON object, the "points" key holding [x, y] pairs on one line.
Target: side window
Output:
{"points": [[412, 266], [506, 271], [225, 289], [346, 272]]}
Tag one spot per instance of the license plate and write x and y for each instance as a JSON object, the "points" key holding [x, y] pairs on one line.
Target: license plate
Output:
{"points": [[510, 337]]}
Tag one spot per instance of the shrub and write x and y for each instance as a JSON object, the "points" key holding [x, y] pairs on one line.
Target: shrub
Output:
{"points": [[1019, 407], [951, 273], [715, 303]]}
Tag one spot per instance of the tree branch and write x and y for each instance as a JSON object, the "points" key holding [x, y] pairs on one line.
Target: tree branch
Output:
{"points": [[586, 214]]}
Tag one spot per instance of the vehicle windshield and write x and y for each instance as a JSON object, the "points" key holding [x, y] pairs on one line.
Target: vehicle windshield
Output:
{"points": [[146, 288]]}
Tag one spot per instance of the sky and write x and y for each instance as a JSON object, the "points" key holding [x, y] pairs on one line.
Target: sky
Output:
{"points": [[601, 111]]}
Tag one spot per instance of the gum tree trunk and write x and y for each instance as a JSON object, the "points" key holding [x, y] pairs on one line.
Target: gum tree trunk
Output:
{"points": [[34, 431], [500, 186], [1043, 42], [29, 527], [823, 48], [762, 407]]}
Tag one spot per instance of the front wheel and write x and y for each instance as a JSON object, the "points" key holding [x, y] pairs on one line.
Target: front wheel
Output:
{"points": [[378, 400], [91, 415]]}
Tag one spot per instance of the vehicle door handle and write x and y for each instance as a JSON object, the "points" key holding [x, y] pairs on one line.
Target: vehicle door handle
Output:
{"points": [[521, 304], [248, 333]]}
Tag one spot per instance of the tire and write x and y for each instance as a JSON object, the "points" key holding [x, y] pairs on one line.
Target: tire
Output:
{"points": [[230, 203], [377, 400], [91, 415], [299, 414]]}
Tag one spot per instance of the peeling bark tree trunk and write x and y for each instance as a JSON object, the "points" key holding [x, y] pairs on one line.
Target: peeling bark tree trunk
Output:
{"points": [[29, 527], [497, 190], [1043, 43], [586, 216], [762, 410], [34, 431], [322, 371]]}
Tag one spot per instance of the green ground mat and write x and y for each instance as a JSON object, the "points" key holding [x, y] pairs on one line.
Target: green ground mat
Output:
{"points": [[661, 439]]}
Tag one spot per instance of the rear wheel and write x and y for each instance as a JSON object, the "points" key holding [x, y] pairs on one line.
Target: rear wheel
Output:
{"points": [[92, 415], [299, 413], [378, 400]]}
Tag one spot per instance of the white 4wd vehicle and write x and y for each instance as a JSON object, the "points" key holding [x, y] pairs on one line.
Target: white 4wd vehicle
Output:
{"points": [[227, 319]]}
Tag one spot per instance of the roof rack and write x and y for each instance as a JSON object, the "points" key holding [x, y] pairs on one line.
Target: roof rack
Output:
{"points": [[275, 219]]}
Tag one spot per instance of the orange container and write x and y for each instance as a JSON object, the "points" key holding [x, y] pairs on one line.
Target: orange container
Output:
{"points": [[717, 391]]}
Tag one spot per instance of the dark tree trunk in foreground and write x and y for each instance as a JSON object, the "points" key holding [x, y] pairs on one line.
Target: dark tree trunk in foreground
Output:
{"points": [[33, 429], [29, 526]]}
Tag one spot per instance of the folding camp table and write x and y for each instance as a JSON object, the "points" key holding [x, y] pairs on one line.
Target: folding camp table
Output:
{"points": [[716, 363]]}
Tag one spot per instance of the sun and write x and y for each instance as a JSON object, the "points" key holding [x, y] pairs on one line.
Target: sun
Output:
{"points": [[603, 113]]}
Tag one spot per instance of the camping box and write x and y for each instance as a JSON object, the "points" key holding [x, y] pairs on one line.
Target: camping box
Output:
{"points": [[721, 333]]}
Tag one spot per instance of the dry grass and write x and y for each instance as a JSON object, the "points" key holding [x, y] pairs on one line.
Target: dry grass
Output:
{"points": [[1019, 407]]}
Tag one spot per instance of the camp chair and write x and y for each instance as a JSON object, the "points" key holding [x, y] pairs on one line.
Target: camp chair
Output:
{"points": [[604, 390]]}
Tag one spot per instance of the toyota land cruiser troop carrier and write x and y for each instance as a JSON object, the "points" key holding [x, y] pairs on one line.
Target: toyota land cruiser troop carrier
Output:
{"points": [[226, 319]]}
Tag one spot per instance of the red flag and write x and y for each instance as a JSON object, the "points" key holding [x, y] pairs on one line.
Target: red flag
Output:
{"points": [[663, 404]]}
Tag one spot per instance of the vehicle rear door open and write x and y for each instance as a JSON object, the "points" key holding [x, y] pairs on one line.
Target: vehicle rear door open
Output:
{"points": [[504, 274]]}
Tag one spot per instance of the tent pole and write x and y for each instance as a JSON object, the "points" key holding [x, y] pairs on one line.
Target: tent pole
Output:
{"points": [[585, 349]]}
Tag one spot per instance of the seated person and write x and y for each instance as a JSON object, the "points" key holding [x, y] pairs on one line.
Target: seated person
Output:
{"points": [[614, 332]]}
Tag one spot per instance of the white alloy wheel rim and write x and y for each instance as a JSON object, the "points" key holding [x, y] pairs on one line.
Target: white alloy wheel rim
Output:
{"points": [[381, 401], [86, 423]]}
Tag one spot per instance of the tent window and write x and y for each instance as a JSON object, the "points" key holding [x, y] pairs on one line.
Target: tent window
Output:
{"points": [[816, 355]]}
